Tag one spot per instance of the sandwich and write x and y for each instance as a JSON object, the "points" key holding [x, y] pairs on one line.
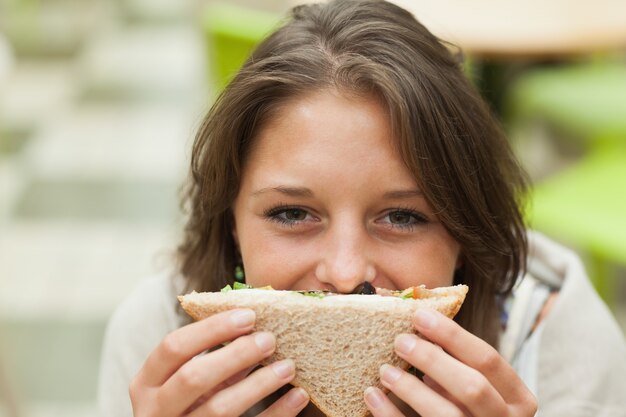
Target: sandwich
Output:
{"points": [[338, 341]]}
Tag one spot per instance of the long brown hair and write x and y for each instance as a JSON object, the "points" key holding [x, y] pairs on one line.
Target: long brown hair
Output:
{"points": [[446, 136]]}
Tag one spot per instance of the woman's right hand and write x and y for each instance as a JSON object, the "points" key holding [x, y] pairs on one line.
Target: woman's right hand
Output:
{"points": [[174, 382]]}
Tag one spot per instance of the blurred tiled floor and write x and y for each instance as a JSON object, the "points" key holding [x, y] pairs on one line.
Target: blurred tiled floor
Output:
{"points": [[90, 168]]}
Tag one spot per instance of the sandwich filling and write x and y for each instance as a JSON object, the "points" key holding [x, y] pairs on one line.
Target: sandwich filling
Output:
{"points": [[366, 288]]}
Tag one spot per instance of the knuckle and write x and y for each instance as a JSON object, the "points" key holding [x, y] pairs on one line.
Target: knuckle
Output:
{"points": [[141, 399], [489, 361], [530, 405], [246, 348], [476, 389], [217, 408], [242, 347], [430, 354], [449, 332], [171, 345], [190, 378], [144, 404], [219, 322]]}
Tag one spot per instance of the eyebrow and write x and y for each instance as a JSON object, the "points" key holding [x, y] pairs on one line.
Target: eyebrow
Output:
{"points": [[307, 193], [289, 191], [400, 194]]}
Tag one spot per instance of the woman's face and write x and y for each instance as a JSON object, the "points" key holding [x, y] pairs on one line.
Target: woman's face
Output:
{"points": [[326, 202]]}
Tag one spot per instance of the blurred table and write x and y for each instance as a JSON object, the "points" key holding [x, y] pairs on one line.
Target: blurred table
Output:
{"points": [[504, 37], [501, 35], [537, 29]]}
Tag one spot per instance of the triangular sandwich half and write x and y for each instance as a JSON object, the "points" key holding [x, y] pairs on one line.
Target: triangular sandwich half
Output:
{"points": [[338, 342]]}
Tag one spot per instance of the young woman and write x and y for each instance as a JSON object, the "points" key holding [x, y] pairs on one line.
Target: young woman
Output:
{"points": [[351, 148]]}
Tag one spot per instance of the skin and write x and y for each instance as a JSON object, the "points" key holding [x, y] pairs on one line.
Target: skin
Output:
{"points": [[174, 381], [325, 202]]}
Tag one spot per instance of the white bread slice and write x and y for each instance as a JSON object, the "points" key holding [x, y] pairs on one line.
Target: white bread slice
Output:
{"points": [[338, 342]]}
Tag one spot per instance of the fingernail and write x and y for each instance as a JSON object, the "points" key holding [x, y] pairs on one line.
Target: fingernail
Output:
{"points": [[297, 397], [425, 319], [284, 369], [405, 343], [265, 341], [243, 318], [374, 397], [390, 374]]}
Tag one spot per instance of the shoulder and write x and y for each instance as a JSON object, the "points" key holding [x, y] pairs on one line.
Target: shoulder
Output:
{"points": [[150, 310], [581, 351], [147, 314], [136, 327]]}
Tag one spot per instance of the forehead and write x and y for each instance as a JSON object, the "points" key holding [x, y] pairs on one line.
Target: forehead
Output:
{"points": [[326, 118], [327, 134]]}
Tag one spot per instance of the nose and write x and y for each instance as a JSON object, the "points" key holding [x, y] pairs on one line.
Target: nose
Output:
{"points": [[345, 260]]}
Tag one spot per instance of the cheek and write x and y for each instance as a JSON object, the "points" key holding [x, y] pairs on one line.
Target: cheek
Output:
{"points": [[429, 263], [270, 260], [445, 259]]}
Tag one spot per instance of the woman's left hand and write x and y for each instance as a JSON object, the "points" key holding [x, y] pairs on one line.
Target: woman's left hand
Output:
{"points": [[464, 375]]}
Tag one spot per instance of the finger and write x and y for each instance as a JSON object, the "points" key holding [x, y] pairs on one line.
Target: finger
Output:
{"points": [[416, 394], [236, 399], [288, 405], [230, 381], [467, 385], [432, 384], [186, 342], [473, 351], [204, 374], [239, 376], [379, 404]]}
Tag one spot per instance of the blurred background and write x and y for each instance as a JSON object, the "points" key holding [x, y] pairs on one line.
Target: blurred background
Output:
{"points": [[99, 102]]}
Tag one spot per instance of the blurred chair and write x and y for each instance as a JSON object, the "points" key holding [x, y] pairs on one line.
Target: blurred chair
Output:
{"points": [[585, 204], [585, 101], [231, 33]]}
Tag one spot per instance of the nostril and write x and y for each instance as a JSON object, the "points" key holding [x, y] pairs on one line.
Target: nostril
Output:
{"points": [[364, 288]]}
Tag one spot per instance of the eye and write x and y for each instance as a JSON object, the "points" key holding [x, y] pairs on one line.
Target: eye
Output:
{"points": [[294, 214], [288, 215], [403, 219]]}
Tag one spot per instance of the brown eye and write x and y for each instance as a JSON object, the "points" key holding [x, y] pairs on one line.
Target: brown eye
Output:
{"points": [[404, 219], [401, 217], [289, 216], [295, 214]]}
